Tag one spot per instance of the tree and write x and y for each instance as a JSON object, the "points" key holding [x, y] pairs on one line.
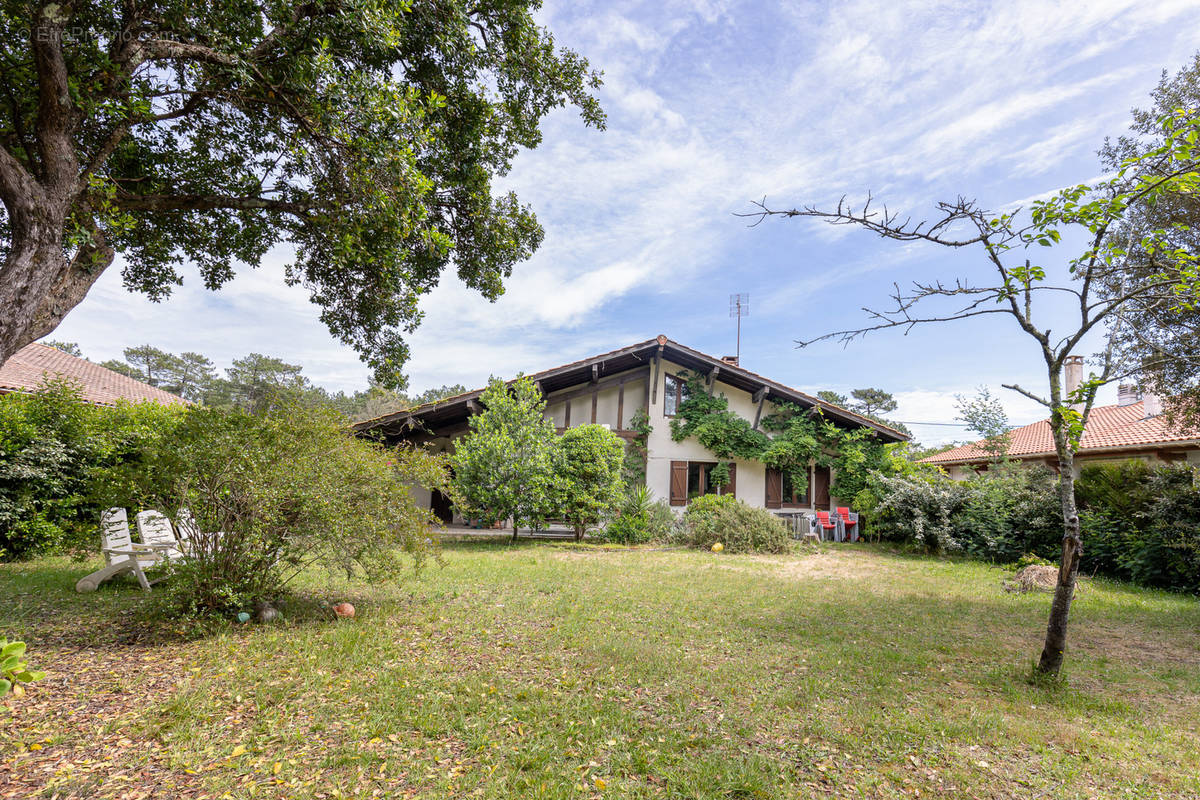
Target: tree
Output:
{"points": [[192, 377], [504, 467], [121, 367], [256, 381], [70, 348], [833, 397], [872, 402], [1010, 281], [151, 365], [985, 415], [588, 461], [1161, 349], [365, 135]]}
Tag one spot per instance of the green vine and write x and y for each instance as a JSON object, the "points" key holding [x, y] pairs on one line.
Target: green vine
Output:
{"points": [[791, 438], [637, 449]]}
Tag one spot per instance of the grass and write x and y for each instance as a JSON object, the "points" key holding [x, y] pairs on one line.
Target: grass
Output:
{"points": [[548, 671]]}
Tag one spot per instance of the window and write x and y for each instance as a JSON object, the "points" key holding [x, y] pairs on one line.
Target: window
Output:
{"points": [[795, 488], [691, 479], [675, 391], [788, 488]]}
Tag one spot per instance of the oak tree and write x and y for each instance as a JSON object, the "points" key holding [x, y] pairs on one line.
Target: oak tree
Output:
{"points": [[365, 134]]}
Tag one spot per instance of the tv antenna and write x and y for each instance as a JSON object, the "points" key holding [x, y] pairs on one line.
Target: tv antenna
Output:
{"points": [[739, 306]]}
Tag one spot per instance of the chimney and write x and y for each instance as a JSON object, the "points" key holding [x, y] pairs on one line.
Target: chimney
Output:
{"points": [[1073, 369], [731, 360], [1127, 394], [1151, 405]]}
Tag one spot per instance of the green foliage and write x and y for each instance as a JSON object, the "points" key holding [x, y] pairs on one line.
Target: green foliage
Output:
{"points": [[1139, 524], [833, 397], [1119, 489], [995, 516], [288, 490], [637, 448], [641, 519], [504, 467], [708, 418], [1148, 534], [70, 348], [53, 449], [364, 134], [872, 402], [14, 671], [587, 466], [738, 527], [985, 415], [797, 438]]}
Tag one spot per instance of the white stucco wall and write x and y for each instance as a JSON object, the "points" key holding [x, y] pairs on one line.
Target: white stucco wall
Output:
{"points": [[751, 475], [607, 402]]}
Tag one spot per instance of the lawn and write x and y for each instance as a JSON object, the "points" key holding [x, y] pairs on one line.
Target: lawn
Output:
{"points": [[543, 670]]}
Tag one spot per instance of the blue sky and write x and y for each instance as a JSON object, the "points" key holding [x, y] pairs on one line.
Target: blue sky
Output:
{"points": [[712, 105]]}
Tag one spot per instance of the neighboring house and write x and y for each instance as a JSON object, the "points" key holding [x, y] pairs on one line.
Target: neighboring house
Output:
{"points": [[1134, 428], [31, 366], [609, 389]]}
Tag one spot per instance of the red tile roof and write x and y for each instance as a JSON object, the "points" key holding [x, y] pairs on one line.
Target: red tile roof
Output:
{"points": [[1108, 428], [32, 365]]}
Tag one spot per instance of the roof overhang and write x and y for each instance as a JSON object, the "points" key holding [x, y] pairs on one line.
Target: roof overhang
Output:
{"points": [[452, 412]]}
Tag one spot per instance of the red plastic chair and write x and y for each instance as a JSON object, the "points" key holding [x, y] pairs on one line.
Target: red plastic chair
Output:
{"points": [[826, 524], [848, 524]]}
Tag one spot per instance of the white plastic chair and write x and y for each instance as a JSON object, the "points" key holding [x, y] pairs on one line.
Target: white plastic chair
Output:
{"points": [[120, 552], [156, 533]]}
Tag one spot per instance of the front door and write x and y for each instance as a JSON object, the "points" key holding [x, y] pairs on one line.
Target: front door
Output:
{"points": [[821, 487]]}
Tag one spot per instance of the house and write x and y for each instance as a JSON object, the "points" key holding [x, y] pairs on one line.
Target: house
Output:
{"points": [[610, 388], [1133, 428], [31, 366]]}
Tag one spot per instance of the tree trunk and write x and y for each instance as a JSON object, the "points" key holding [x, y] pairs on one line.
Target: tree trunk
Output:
{"points": [[1072, 548], [38, 284], [579, 531], [514, 531]]}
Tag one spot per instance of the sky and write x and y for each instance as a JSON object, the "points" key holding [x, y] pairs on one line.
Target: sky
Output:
{"points": [[712, 105]]}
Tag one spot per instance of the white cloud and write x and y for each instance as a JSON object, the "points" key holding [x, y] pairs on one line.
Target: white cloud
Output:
{"points": [[713, 104]]}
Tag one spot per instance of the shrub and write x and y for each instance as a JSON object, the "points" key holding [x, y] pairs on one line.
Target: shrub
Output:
{"points": [[641, 519], [54, 449], [918, 509], [740, 528], [288, 490], [504, 467], [587, 466], [1119, 490], [1008, 511]]}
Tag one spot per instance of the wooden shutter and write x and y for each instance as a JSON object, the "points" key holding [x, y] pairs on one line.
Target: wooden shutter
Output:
{"points": [[774, 488], [679, 470], [731, 489], [821, 487]]}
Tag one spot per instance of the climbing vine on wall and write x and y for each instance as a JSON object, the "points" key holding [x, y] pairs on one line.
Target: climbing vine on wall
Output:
{"points": [[637, 448], [790, 438]]}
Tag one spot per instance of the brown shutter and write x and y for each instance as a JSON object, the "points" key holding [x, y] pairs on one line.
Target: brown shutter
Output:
{"points": [[821, 487], [679, 471], [774, 488], [731, 489]]}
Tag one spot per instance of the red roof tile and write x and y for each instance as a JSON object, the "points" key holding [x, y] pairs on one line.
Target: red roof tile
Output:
{"points": [[1108, 428], [32, 365]]}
